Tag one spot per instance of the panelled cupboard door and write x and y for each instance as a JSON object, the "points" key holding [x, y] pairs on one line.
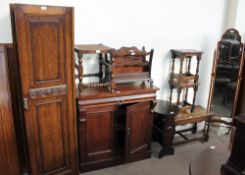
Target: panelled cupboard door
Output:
{"points": [[96, 129], [138, 131], [9, 164], [44, 40]]}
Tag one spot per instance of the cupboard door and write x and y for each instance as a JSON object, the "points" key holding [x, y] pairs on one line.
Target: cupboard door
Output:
{"points": [[9, 164], [96, 134], [138, 131], [44, 40]]}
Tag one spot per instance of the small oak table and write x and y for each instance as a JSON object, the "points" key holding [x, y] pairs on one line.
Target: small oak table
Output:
{"points": [[164, 126], [199, 115]]}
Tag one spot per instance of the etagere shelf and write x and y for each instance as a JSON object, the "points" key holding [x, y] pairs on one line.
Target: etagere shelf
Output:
{"points": [[184, 79]]}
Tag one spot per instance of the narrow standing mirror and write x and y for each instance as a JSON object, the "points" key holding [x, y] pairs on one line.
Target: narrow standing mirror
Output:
{"points": [[225, 78]]}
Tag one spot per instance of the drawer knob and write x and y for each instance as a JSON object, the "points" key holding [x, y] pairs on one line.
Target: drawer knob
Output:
{"points": [[82, 120], [120, 102]]}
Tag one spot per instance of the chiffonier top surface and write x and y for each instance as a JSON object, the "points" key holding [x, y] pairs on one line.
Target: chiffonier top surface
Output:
{"points": [[126, 89], [91, 48]]}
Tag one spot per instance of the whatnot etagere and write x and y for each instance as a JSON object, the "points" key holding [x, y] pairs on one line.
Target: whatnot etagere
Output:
{"points": [[184, 78]]}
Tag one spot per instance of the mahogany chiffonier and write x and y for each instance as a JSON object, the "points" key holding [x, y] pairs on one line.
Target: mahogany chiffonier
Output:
{"points": [[115, 127], [8, 149]]}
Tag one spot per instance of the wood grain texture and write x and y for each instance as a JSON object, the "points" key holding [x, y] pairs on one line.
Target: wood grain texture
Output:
{"points": [[99, 139], [16, 96], [14, 84], [200, 114], [46, 65], [44, 40], [164, 126], [92, 48], [50, 123], [8, 147], [126, 89], [138, 131], [235, 163], [115, 127], [129, 61]]}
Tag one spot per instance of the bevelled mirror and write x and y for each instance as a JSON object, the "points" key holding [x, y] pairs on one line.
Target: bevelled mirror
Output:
{"points": [[225, 77]]}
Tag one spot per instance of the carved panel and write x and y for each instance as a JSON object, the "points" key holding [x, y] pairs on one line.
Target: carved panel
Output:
{"points": [[102, 138], [42, 92], [138, 130], [47, 44], [51, 136], [97, 143]]}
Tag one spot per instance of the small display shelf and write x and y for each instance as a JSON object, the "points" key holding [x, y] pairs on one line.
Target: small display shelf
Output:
{"points": [[102, 52], [128, 64], [184, 78]]}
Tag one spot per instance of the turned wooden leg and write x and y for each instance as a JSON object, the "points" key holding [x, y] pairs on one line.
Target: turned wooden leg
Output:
{"points": [[113, 86], [80, 72], [100, 67], [178, 98]]}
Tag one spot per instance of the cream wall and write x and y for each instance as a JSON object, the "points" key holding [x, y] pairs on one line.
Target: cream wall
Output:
{"points": [[240, 19], [158, 24]]}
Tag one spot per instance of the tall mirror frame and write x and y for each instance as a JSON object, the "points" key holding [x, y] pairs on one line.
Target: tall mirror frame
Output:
{"points": [[225, 56]]}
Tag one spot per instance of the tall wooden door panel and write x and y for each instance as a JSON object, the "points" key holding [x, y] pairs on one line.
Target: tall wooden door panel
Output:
{"points": [[138, 131], [9, 164], [96, 133], [44, 40], [17, 106]]}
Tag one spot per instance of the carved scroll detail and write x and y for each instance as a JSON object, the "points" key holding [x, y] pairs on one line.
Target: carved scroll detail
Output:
{"points": [[42, 92]]}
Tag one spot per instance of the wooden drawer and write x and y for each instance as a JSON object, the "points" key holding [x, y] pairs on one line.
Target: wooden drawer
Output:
{"points": [[117, 100]]}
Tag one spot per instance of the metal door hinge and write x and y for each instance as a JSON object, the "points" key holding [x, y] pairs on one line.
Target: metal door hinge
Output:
{"points": [[25, 103], [129, 131]]}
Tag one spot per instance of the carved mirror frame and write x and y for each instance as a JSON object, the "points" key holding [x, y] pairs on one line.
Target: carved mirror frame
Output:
{"points": [[218, 118]]}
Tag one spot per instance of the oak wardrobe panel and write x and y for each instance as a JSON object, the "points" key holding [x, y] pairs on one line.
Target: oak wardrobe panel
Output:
{"points": [[17, 106], [43, 37], [9, 164]]}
